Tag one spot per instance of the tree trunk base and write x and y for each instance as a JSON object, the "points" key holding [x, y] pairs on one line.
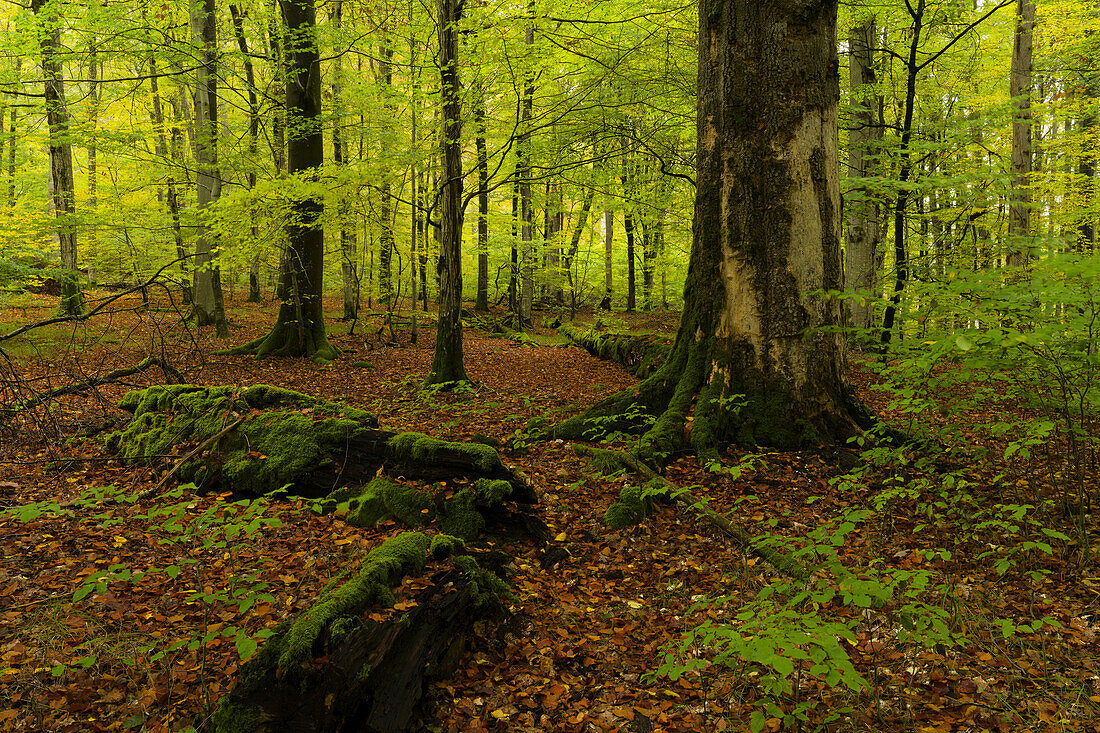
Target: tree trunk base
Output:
{"points": [[286, 339], [696, 400]]}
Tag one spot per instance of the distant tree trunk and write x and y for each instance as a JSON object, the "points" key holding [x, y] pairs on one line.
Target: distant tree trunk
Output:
{"points": [[905, 169], [482, 302], [62, 186], [348, 244], [513, 266], [171, 156], [862, 260], [575, 241], [1019, 214], [415, 224], [523, 165], [765, 243], [648, 263], [254, 295], [94, 65], [628, 227], [554, 219], [1086, 173], [208, 303], [385, 197], [299, 329], [608, 237], [631, 292], [447, 367], [14, 118]]}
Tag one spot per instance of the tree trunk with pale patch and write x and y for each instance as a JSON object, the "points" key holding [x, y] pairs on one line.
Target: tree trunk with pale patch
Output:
{"points": [[751, 358], [1019, 212]]}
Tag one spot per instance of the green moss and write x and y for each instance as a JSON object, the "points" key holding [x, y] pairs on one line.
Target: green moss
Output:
{"points": [[341, 627], [461, 517], [635, 504], [486, 589], [233, 718], [445, 545], [362, 365], [381, 569], [383, 499], [423, 448], [491, 492], [264, 453]]}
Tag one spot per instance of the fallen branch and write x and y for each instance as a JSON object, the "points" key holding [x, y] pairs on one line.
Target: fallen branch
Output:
{"points": [[187, 458], [113, 376], [609, 459]]}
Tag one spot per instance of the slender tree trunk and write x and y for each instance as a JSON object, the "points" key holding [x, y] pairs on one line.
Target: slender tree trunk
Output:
{"points": [[237, 17], [14, 118], [482, 302], [348, 254], [385, 196], [523, 155], [575, 241], [447, 367], [862, 260], [1019, 213], [62, 185], [608, 238], [513, 269], [94, 65], [209, 307], [905, 169], [628, 228], [171, 156]]}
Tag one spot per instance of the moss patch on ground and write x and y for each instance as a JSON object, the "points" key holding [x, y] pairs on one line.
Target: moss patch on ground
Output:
{"points": [[293, 434]]}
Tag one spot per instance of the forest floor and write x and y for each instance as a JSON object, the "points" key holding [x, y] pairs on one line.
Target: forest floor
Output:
{"points": [[593, 612]]}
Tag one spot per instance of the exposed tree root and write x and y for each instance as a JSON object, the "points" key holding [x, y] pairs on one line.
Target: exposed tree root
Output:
{"points": [[287, 338], [610, 460]]}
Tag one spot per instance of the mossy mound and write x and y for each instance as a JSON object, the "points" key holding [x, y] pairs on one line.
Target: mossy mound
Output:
{"points": [[461, 517], [293, 435], [383, 499], [641, 354]]}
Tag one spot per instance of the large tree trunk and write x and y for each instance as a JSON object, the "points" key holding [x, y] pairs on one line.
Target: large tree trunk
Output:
{"points": [[1019, 212], [766, 242], [862, 260], [62, 185], [208, 302], [447, 367], [299, 329]]}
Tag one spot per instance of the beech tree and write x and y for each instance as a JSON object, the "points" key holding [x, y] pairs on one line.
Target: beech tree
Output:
{"points": [[299, 329], [754, 353], [62, 186]]}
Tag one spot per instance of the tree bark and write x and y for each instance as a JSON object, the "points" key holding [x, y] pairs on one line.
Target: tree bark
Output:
{"points": [[385, 197], [862, 260], [447, 366], [14, 118], [237, 17], [62, 185], [299, 329], [754, 354], [209, 306], [348, 244], [523, 173], [1019, 212], [482, 301], [171, 157], [608, 238]]}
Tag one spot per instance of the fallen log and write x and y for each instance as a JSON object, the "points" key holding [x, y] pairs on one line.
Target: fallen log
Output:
{"points": [[340, 667], [641, 354]]}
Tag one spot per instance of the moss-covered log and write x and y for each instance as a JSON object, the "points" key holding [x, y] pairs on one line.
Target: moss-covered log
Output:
{"points": [[641, 354], [290, 440], [338, 668]]}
